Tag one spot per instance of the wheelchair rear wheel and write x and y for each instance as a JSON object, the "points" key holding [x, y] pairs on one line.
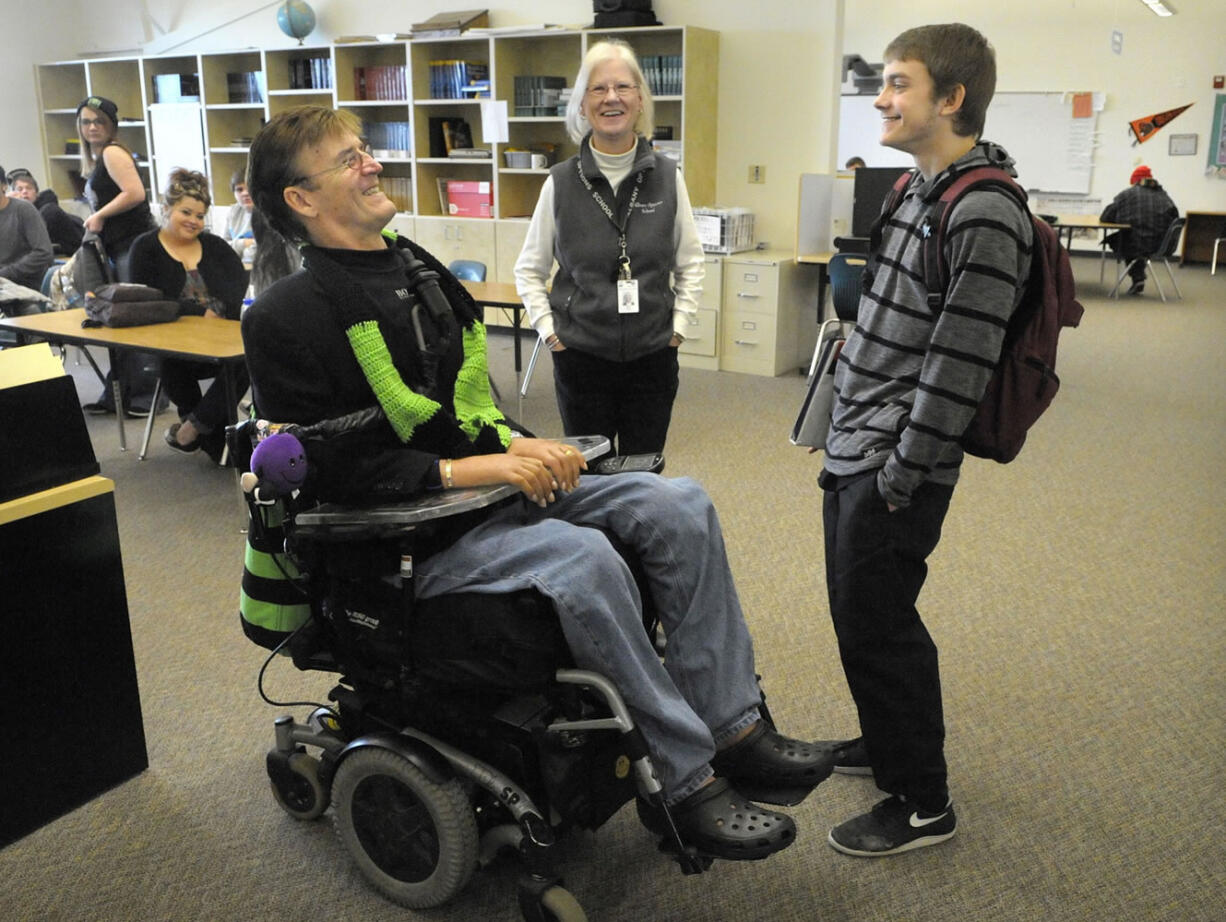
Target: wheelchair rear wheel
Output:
{"points": [[414, 839]]}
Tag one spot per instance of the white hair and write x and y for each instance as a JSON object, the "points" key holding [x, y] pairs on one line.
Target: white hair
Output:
{"points": [[610, 50]]}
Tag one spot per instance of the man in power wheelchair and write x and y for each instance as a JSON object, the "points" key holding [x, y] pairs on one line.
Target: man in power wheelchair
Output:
{"points": [[371, 319]]}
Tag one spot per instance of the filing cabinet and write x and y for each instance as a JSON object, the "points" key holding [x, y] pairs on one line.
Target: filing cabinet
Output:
{"points": [[768, 319]]}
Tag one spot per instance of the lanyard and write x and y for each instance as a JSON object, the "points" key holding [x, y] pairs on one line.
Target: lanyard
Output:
{"points": [[623, 261]]}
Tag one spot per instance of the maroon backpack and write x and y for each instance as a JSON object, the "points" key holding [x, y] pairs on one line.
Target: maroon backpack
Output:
{"points": [[1024, 381]]}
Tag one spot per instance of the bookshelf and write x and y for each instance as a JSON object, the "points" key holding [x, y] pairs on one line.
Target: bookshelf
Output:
{"points": [[397, 104]]}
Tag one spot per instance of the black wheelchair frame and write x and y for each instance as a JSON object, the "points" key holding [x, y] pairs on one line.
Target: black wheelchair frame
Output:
{"points": [[442, 748]]}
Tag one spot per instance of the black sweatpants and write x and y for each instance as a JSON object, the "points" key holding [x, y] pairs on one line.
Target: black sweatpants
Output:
{"points": [[875, 568], [630, 403]]}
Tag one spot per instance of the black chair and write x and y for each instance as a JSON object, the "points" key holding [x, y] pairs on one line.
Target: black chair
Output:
{"points": [[1164, 252], [846, 271]]}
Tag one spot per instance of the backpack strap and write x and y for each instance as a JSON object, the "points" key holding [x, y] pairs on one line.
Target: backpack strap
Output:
{"points": [[935, 225], [888, 207]]}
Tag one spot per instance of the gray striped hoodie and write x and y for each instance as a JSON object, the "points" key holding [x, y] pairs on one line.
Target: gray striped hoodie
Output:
{"points": [[907, 381]]}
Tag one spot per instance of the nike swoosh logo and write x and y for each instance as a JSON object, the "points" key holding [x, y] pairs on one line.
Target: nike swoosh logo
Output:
{"points": [[917, 823]]}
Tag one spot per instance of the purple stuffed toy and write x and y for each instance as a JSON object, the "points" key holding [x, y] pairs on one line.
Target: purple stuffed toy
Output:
{"points": [[278, 468]]}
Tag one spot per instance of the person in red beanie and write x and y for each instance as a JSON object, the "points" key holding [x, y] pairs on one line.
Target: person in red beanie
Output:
{"points": [[1148, 211]]}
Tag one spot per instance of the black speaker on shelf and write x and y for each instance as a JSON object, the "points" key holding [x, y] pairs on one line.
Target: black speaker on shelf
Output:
{"points": [[622, 14]]}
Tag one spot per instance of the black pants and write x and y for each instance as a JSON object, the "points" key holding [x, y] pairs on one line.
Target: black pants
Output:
{"points": [[208, 411], [630, 403], [875, 568]]}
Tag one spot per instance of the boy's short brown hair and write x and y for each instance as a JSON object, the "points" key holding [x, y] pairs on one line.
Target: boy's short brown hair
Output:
{"points": [[954, 54]]}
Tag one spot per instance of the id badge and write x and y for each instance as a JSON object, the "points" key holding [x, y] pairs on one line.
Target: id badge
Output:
{"points": [[627, 296]]}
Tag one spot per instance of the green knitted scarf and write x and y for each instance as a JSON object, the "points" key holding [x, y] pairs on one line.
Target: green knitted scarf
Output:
{"points": [[407, 410]]}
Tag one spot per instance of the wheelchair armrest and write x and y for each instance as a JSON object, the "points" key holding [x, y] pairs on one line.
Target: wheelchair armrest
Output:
{"points": [[341, 522]]}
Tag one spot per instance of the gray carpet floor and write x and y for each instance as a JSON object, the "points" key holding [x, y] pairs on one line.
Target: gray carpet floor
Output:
{"points": [[1077, 600]]}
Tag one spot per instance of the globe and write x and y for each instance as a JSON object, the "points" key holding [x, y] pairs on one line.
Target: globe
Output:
{"points": [[296, 19]]}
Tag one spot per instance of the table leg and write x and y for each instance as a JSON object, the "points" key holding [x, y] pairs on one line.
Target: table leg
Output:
{"points": [[117, 390]]}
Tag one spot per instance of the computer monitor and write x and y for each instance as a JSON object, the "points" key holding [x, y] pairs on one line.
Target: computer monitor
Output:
{"points": [[873, 184]]}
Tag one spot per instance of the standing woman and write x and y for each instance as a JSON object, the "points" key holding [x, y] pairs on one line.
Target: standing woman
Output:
{"points": [[617, 219], [113, 188], [206, 276]]}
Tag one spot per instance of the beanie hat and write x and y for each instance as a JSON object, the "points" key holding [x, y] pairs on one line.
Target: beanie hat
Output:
{"points": [[1141, 172], [100, 104]]}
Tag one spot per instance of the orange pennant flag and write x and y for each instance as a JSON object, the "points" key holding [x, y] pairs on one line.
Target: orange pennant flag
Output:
{"points": [[1145, 128]]}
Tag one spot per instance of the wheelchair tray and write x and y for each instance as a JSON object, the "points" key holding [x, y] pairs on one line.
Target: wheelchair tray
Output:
{"points": [[429, 506]]}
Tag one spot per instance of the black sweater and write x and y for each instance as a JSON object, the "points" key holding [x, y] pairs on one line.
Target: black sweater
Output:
{"points": [[220, 267]]}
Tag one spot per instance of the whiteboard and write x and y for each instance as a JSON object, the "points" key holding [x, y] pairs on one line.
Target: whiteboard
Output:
{"points": [[1053, 150]]}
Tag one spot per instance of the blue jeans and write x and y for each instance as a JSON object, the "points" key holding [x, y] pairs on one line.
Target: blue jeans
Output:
{"points": [[706, 690]]}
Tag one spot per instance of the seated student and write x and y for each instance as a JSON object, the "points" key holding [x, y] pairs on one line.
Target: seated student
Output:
{"points": [[25, 248], [853, 163], [207, 278], [350, 331], [64, 229], [1148, 211], [238, 220]]}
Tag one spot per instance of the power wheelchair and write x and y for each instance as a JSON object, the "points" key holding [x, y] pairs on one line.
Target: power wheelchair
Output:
{"points": [[448, 740]]}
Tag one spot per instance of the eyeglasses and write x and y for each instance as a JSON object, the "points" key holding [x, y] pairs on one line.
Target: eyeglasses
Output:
{"points": [[353, 160], [602, 90], [93, 123]]}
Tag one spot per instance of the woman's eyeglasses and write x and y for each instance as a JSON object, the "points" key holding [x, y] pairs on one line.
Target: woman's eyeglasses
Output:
{"points": [[602, 90], [93, 123], [352, 160]]}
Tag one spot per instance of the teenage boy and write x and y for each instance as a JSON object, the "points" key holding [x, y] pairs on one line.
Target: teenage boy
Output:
{"points": [[907, 384], [351, 330], [64, 229]]}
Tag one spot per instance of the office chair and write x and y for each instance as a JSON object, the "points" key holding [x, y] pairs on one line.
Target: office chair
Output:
{"points": [[1165, 250], [846, 271], [469, 269]]}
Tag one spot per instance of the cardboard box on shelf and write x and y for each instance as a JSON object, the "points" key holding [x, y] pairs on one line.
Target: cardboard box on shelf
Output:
{"points": [[470, 199]]}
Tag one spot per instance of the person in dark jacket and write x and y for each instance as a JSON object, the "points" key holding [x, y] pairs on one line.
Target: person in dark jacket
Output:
{"points": [[204, 274], [1148, 211], [64, 229], [617, 219]]}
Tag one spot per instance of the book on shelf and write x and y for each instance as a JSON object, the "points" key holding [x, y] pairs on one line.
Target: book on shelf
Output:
{"points": [[447, 134], [449, 25], [470, 153], [245, 86], [379, 82], [449, 77], [377, 37], [538, 95]]}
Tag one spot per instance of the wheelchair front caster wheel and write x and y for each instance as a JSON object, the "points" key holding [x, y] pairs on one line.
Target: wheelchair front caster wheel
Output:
{"points": [[295, 784], [555, 904]]}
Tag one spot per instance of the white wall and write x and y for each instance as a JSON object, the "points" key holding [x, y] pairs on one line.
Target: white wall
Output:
{"points": [[1165, 64]]}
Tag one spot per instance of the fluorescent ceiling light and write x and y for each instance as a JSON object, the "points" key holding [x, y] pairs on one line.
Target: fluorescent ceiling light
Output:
{"points": [[1159, 7]]}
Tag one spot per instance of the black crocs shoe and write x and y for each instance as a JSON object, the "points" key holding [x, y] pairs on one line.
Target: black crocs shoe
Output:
{"points": [[773, 768], [720, 822]]}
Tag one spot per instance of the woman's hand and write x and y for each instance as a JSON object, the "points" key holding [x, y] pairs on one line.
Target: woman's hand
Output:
{"points": [[94, 223]]}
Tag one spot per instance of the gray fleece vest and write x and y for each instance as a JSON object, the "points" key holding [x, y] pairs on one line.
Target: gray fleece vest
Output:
{"points": [[584, 292]]}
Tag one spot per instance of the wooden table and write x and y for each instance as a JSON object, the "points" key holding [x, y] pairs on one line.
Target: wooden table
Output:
{"points": [[193, 338], [1072, 222]]}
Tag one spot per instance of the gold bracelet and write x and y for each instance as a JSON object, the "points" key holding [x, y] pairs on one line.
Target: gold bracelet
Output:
{"points": [[447, 481]]}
